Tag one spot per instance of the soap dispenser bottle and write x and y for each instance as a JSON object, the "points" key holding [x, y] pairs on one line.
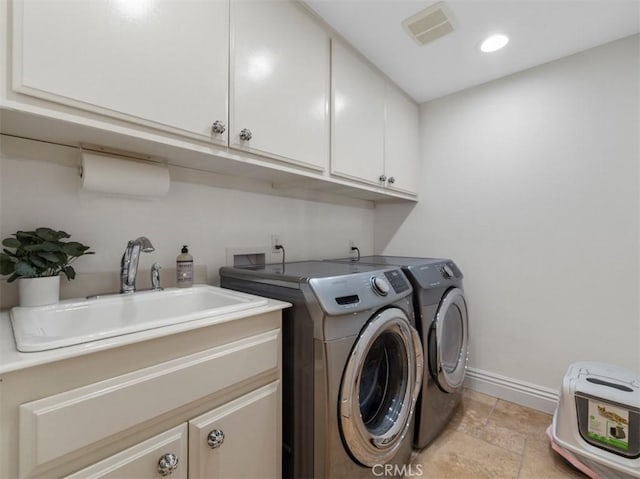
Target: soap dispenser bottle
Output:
{"points": [[184, 268]]}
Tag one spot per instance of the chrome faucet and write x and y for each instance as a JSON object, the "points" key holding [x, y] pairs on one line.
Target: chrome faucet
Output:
{"points": [[129, 263]]}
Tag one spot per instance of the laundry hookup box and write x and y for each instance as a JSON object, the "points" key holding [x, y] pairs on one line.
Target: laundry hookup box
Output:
{"points": [[598, 419]]}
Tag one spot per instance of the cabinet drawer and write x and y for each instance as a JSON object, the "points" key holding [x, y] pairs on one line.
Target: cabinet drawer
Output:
{"points": [[58, 425], [143, 460], [246, 438]]}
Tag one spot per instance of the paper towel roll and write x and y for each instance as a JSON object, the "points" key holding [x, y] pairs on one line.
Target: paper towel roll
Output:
{"points": [[114, 176]]}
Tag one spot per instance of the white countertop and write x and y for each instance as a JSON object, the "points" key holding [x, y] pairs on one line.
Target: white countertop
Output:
{"points": [[12, 360]]}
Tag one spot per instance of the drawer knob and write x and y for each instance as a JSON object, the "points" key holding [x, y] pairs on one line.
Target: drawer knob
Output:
{"points": [[383, 178], [215, 438], [167, 464], [245, 134], [392, 180], [218, 127]]}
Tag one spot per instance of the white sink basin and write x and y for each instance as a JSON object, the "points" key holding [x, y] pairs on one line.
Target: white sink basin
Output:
{"points": [[80, 321]]}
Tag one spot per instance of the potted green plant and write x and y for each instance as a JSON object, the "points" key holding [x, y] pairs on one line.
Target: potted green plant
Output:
{"points": [[36, 259]]}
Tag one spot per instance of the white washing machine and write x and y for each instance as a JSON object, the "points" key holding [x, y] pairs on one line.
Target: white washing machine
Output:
{"points": [[443, 322], [352, 365]]}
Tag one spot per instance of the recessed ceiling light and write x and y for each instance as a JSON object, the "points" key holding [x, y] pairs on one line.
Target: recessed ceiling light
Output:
{"points": [[494, 43]]}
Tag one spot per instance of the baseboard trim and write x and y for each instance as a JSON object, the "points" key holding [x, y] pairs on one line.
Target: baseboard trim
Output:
{"points": [[512, 390]]}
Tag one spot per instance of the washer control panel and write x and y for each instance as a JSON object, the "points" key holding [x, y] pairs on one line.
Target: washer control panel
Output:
{"points": [[343, 294], [380, 285], [398, 281]]}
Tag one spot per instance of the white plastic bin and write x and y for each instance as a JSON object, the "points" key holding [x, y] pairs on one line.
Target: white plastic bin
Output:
{"points": [[598, 418]]}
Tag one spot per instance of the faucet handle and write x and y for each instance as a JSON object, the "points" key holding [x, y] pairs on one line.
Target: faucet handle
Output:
{"points": [[155, 276]]}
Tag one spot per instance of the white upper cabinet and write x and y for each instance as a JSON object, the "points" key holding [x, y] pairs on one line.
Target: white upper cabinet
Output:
{"points": [[402, 140], [358, 117], [249, 88], [159, 63], [279, 84], [375, 126]]}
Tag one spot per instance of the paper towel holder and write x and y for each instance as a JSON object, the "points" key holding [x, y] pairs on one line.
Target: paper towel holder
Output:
{"points": [[114, 172], [117, 153]]}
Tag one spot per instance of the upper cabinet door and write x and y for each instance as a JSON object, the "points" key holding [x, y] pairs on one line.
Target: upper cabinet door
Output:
{"points": [[160, 63], [402, 141], [358, 117], [279, 83]]}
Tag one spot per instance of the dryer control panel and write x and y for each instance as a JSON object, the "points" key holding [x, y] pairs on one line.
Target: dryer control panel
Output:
{"points": [[436, 274]]}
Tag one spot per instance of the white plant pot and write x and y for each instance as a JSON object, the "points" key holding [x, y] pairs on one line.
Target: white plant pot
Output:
{"points": [[38, 291]]}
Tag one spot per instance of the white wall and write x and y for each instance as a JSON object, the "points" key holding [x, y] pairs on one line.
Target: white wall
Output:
{"points": [[530, 183], [209, 219]]}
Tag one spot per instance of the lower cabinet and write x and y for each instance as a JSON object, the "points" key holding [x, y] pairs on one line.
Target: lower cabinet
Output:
{"points": [[237, 439], [204, 403], [162, 455]]}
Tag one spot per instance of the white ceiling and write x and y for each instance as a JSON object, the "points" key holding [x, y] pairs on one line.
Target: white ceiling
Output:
{"points": [[540, 31]]}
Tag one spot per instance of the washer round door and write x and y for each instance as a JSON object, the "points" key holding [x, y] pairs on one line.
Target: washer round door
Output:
{"points": [[380, 385], [448, 341]]}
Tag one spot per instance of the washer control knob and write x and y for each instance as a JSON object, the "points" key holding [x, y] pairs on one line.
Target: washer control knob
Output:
{"points": [[380, 285], [447, 272]]}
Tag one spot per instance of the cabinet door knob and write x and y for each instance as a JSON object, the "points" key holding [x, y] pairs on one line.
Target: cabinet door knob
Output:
{"points": [[383, 178], [167, 464], [215, 438], [218, 127], [245, 134], [392, 180]]}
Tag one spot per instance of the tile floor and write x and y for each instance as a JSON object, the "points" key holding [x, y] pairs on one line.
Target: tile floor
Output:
{"points": [[490, 438]]}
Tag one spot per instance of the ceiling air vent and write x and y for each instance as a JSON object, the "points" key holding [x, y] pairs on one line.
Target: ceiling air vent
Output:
{"points": [[429, 24]]}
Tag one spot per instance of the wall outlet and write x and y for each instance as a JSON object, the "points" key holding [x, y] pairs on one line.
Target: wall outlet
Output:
{"points": [[275, 239], [353, 253]]}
